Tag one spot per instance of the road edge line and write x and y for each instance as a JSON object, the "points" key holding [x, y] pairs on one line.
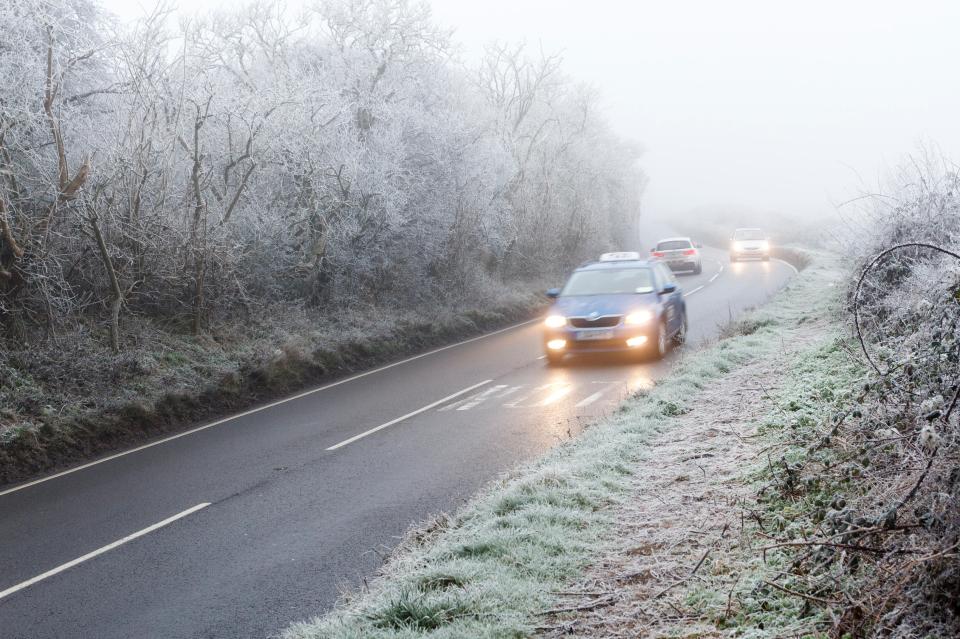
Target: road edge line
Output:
{"points": [[796, 271], [258, 409]]}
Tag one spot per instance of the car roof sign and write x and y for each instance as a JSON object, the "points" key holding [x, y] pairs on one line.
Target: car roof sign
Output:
{"points": [[620, 256]]}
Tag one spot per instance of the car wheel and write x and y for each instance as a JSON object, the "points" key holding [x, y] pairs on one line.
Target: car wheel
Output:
{"points": [[680, 337], [699, 269], [662, 343], [554, 359]]}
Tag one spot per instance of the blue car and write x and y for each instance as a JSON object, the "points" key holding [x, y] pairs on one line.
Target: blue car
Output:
{"points": [[619, 303]]}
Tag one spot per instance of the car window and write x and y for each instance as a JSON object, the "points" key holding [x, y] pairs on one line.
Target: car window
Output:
{"points": [[748, 234], [672, 245], [609, 281], [666, 275]]}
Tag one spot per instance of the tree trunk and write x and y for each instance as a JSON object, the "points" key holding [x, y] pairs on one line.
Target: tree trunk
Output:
{"points": [[116, 300], [198, 278]]}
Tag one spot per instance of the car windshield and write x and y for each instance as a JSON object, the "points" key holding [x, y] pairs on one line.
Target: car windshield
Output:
{"points": [[672, 245], [748, 234], [609, 281]]}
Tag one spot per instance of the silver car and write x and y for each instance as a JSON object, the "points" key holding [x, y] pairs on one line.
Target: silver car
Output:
{"points": [[749, 243], [679, 253]]}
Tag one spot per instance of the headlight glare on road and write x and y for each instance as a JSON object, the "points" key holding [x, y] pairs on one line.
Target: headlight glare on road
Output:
{"points": [[639, 317], [557, 344], [555, 321]]}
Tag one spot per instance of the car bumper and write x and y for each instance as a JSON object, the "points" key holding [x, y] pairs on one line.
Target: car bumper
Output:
{"points": [[750, 253], [596, 340], [682, 265]]}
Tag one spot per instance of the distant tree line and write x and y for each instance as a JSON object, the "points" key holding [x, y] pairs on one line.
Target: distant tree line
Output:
{"points": [[190, 170]]}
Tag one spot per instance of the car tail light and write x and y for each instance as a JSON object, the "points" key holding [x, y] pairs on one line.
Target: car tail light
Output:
{"points": [[690, 252], [658, 253]]}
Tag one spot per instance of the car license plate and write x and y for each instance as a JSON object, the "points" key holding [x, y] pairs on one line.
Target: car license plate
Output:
{"points": [[588, 335]]}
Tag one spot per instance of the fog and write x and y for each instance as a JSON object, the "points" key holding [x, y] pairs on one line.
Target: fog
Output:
{"points": [[761, 104], [748, 105]]}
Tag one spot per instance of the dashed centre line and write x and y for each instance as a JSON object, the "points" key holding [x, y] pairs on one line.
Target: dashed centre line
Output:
{"points": [[99, 551], [509, 391], [409, 415], [516, 403], [554, 392], [717, 274], [595, 396], [562, 390], [479, 398], [702, 286]]}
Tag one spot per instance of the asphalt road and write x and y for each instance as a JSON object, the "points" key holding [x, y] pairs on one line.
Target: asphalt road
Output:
{"points": [[270, 517]]}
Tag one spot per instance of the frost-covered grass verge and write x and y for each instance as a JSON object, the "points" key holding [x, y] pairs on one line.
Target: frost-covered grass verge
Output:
{"points": [[856, 510], [849, 527], [492, 569], [750, 589]]}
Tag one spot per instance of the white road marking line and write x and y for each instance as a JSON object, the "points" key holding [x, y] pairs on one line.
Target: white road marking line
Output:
{"points": [[509, 391], [795, 271], [456, 405], [90, 555], [258, 409], [409, 415], [560, 393], [516, 403], [592, 398], [479, 398], [702, 286], [589, 400], [717, 274], [451, 406], [542, 357]]}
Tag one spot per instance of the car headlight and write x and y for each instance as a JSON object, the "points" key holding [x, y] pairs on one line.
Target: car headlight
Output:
{"points": [[765, 245], [738, 246], [555, 321], [639, 317]]}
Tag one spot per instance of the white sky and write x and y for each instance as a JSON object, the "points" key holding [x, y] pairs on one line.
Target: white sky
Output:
{"points": [[765, 104]]}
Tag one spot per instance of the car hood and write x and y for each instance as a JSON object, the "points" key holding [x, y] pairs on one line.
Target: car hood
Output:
{"points": [[584, 305]]}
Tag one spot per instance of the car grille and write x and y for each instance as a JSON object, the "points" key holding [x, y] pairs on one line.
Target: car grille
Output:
{"points": [[597, 345], [608, 321]]}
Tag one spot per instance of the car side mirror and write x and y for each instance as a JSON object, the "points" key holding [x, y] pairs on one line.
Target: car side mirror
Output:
{"points": [[553, 293], [669, 288]]}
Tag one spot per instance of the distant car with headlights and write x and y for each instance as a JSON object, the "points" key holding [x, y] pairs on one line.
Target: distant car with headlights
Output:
{"points": [[618, 303], [749, 243], [679, 253]]}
